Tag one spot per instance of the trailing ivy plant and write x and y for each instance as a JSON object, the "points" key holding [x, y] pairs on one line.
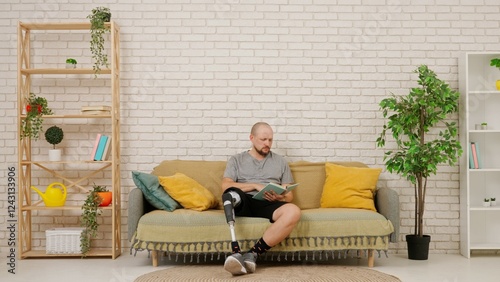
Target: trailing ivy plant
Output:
{"points": [[88, 218], [98, 17], [410, 119], [36, 107]]}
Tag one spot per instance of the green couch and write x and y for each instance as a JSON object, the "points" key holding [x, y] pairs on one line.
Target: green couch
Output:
{"points": [[321, 233]]}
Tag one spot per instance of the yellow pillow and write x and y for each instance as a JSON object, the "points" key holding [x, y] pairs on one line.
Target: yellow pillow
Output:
{"points": [[349, 187], [189, 193]]}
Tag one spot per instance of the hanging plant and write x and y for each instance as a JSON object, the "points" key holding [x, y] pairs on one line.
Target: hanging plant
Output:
{"points": [[98, 17], [89, 217], [36, 107]]}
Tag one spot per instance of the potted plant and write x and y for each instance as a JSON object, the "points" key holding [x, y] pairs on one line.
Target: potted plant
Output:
{"points": [[417, 153], [484, 126], [486, 202], [71, 63], [493, 201], [98, 18], [89, 215], [495, 62], [54, 135], [31, 125]]}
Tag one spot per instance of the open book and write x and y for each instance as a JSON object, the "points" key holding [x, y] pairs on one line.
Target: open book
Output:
{"points": [[278, 189]]}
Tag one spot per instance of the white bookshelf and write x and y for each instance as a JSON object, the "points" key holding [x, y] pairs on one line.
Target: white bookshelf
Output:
{"points": [[479, 102]]}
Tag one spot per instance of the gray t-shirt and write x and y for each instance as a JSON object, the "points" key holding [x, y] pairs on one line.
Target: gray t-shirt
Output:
{"points": [[244, 168]]}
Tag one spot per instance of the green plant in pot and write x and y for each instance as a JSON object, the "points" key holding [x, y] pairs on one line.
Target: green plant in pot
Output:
{"points": [[54, 135], [31, 125], [496, 63], [71, 63], [98, 18], [424, 139], [89, 216]]}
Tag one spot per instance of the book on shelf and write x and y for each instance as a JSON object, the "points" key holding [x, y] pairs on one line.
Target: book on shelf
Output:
{"points": [[96, 108], [107, 149], [475, 157], [96, 144], [100, 148], [96, 112], [278, 189]]}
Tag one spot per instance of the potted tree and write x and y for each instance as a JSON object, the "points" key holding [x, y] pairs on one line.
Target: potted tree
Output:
{"points": [[419, 151], [89, 215], [54, 135], [98, 18], [31, 125]]}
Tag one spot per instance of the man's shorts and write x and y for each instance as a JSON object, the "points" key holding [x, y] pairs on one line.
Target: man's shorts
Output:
{"points": [[255, 208]]}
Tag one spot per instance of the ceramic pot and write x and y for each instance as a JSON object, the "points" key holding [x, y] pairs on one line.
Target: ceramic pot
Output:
{"points": [[70, 66], [418, 247], [55, 155], [106, 198]]}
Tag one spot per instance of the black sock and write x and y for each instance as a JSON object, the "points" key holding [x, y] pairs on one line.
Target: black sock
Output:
{"points": [[260, 247], [235, 247]]}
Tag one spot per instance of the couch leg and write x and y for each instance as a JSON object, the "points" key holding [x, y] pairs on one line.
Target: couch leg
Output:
{"points": [[371, 258], [154, 258]]}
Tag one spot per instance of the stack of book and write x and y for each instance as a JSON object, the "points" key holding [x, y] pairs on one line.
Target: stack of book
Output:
{"points": [[102, 148], [96, 110]]}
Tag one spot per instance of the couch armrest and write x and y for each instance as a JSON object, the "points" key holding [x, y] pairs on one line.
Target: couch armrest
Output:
{"points": [[135, 210], [387, 202]]}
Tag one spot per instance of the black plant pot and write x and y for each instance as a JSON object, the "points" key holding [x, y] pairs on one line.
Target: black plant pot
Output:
{"points": [[418, 247]]}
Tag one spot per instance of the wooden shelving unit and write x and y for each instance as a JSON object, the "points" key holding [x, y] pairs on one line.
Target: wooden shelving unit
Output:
{"points": [[26, 163]]}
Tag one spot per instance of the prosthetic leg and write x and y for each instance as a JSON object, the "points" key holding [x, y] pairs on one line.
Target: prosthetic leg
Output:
{"points": [[229, 199]]}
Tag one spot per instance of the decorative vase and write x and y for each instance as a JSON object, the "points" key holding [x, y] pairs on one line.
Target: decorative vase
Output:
{"points": [[498, 84], [106, 198], [70, 66], [55, 155], [418, 247]]}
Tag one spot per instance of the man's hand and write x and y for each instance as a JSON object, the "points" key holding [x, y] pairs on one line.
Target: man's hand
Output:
{"points": [[271, 196]]}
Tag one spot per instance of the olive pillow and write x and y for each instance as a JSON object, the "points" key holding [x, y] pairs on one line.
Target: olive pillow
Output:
{"points": [[349, 187], [189, 193], [153, 192]]}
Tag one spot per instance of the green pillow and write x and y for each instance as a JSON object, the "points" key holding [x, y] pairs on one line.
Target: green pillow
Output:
{"points": [[153, 192]]}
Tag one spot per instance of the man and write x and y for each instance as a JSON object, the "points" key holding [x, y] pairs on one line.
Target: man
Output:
{"points": [[246, 174]]}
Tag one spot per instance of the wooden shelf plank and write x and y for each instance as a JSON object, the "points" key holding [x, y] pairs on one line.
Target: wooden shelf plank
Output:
{"points": [[31, 208], [94, 252], [63, 71], [58, 26], [66, 162], [76, 116]]}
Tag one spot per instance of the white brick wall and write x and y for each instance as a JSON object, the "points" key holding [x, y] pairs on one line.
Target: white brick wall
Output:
{"points": [[195, 77]]}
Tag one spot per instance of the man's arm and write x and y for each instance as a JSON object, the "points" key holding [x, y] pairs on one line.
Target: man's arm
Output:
{"points": [[245, 187]]}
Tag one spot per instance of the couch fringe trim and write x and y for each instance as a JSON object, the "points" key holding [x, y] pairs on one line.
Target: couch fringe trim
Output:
{"points": [[204, 251]]}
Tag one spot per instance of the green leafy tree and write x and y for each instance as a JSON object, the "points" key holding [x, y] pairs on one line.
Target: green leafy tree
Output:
{"points": [[410, 119]]}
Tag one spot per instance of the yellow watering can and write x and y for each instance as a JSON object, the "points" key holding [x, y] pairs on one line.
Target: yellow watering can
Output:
{"points": [[54, 196]]}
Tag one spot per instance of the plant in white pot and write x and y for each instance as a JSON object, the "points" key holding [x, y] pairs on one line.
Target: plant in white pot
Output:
{"points": [[419, 150], [54, 135]]}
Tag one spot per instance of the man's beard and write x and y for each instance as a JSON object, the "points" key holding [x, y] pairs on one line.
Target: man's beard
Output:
{"points": [[261, 152]]}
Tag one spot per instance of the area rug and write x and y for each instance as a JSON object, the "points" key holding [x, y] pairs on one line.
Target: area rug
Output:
{"points": [[270, 273]]}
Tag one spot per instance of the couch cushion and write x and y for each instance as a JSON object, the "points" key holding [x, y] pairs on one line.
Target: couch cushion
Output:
{"points": [[311, 176], [153, 192], [188, 192], [207, 173], [349, 187], [318, 229]]}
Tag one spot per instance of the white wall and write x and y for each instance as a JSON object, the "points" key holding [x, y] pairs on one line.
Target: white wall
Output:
{"points": [[196, 74]]}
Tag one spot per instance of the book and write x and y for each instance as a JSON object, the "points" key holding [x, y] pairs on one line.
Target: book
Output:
{"points": [[471, 157], [96, 112], [278, 189], [94, 149], [107, 149], [96, 108], [474, 155], [478, 156], [100, 148]]}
